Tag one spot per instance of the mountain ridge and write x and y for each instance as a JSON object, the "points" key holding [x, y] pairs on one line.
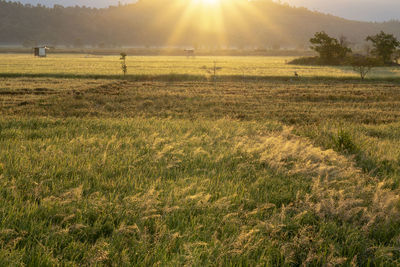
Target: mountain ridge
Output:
{"points": [[261, 24]]}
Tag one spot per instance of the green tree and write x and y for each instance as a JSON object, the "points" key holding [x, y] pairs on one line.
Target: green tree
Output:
{"points": [[330, 50], [384, 46]]}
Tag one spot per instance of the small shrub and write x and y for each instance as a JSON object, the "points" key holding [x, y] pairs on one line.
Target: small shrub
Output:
{"points": [[363, 65], [343, 142], [312, 61], [124, 67]]}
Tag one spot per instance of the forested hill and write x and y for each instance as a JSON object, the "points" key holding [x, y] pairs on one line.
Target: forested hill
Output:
{"points": [[240, 23]]}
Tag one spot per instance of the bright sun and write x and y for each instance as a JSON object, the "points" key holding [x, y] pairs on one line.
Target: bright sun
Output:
{"points": [[207, 2], [210, 2]]}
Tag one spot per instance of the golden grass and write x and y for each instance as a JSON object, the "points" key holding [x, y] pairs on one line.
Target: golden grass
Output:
{"points": [[76, 64], [200, 173], [294, 102]]}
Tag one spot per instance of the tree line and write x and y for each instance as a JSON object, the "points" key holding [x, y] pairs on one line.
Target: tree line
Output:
{"points": [[384, 51], [336, 52]]}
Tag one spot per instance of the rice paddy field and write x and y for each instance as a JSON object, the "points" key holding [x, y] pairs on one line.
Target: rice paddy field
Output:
{"points": [[75, 64], [281, 171]]}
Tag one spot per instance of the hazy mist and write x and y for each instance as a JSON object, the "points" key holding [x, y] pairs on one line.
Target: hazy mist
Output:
{"points": [[365, 10]]}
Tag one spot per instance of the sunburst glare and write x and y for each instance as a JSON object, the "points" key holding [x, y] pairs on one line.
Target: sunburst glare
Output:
{"points": [[203, 22], [207, 2]]}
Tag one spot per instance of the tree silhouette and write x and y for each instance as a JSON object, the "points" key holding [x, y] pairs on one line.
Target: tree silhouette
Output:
{"points": [[384, 46], [330, 50]]}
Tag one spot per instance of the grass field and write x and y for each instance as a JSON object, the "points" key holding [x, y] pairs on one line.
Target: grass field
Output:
{"points": [[156, 65], [115, 172]]}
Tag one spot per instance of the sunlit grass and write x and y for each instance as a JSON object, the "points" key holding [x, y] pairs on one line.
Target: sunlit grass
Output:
{"points": [[209, 192], [156, 65], [270, 173]]}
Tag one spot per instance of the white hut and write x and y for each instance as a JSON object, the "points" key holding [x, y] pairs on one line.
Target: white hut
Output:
{"points": [[40, 51]]}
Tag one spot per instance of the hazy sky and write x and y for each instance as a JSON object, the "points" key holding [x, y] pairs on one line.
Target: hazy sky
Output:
{"points": [[369, 10], [91, 3]]}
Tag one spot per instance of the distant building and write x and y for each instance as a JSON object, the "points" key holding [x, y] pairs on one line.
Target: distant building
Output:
{"points": [[190, 52], [40, 51]]}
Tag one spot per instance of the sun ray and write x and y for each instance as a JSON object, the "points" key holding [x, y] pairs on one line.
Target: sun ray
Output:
{"points": [[212, 22], [162, 21], [202, 21], [181, 25], [267, 22], [206, 2]]}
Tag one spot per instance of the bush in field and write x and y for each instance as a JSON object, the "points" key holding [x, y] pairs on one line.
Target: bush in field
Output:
{"points": [[330, 50], [363, 64], [343, 142], [124, 67], [384, 46], [306, 61]]}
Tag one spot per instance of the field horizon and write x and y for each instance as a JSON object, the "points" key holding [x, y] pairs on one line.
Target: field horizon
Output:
{"points": [[193, 68]]}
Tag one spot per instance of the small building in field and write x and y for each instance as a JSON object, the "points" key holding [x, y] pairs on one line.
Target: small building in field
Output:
{"points": [[40, 51], [190, 52]]}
